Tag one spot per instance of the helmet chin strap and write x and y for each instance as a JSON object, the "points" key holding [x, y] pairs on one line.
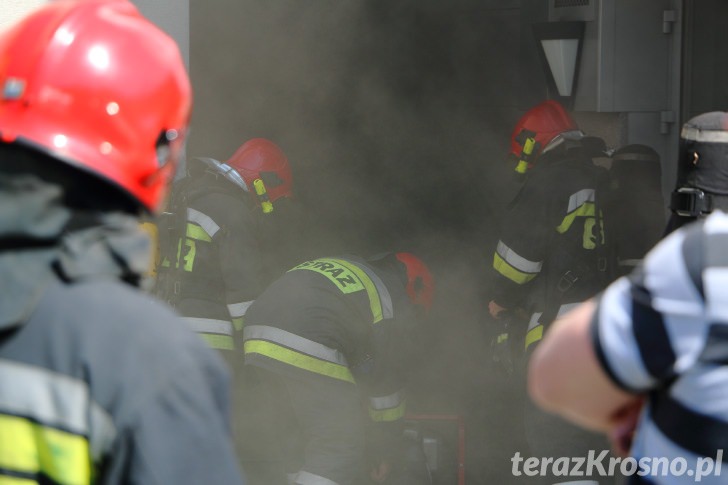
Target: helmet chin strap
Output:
{"points": [[226, 171]]}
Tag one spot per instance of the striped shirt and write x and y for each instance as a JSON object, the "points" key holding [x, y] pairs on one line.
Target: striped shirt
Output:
{"points": [[664, 331]]}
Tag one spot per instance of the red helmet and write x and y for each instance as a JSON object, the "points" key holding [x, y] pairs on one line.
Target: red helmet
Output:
{"points": [[420, 283], [540, 127], [261, 159], [99, 87]]}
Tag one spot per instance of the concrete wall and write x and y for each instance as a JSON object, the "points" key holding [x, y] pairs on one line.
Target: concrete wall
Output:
{"points": [[11, 10], [172, 16]]}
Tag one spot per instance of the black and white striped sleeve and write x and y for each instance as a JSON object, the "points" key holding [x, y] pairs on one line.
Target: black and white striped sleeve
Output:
{"points": [[650, 327]]}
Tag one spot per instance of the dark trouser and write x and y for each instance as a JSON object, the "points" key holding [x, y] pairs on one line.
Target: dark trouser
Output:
{"points": [[318, 427], [550, 436], [257, 428]]}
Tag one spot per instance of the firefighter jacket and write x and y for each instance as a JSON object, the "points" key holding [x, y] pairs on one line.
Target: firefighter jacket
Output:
{"points": [[219, 251], [551, 250], [98, 382], [211, 263], [340, 320]]}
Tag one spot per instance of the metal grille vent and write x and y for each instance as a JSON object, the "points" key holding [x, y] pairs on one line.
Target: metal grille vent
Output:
{"points": [[570, 3]]}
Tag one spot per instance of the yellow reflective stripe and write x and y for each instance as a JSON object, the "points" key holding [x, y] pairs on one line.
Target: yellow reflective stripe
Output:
{"points": [[298, 359], [339, 275], [534, 335], [221, 342], [522, 166], [238, 323], [349, 278], [502, 266], [584, 210], [6, 480], [374, 302], [189, 257], [388, 415], [28, 447], [516, 260], [196, 232]]}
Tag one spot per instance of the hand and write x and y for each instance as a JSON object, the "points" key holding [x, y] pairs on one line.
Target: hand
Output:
{"points": [[495, 309], [380, 472], [625, 424]]}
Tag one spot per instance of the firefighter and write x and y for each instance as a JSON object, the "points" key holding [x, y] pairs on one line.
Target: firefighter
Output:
{"points": [[213, 245], [702, 176], [645, 353], [99, 383], [551, 251], [328, 332], [231, 228]]}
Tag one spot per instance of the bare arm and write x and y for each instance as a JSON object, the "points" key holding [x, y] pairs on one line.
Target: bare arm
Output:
{"points": [[565, 376]]}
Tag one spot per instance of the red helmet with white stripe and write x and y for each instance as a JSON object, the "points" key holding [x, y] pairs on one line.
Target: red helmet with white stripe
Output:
{"points": [[97, 86], [261, 159], [539, 129]]}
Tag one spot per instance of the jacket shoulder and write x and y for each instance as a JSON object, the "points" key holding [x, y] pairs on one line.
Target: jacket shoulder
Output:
{"points": [[118, 317]]}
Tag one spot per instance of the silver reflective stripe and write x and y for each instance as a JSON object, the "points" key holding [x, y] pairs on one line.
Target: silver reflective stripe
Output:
{"points": [[580, 198], [566, 307], [306, 478], [229, 172], [203, 220], [559, 139], [384, 298], [386, 402], [535, 317], [295, 342], [533, 322], [210, 325], [56, 400], [238, 310], [707, 136], [517, 261]]}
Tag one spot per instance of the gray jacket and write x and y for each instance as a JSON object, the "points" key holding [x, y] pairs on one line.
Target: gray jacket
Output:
{"points": [[90, 366]]}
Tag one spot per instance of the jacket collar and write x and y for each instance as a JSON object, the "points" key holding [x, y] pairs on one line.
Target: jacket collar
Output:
{"points": [[37, 246]]}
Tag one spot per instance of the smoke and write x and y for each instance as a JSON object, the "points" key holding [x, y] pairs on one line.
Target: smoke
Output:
{"points": [[395, 117]]}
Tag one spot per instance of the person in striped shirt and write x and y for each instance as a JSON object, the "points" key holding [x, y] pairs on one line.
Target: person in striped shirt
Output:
{"points": [[646, 361]]}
